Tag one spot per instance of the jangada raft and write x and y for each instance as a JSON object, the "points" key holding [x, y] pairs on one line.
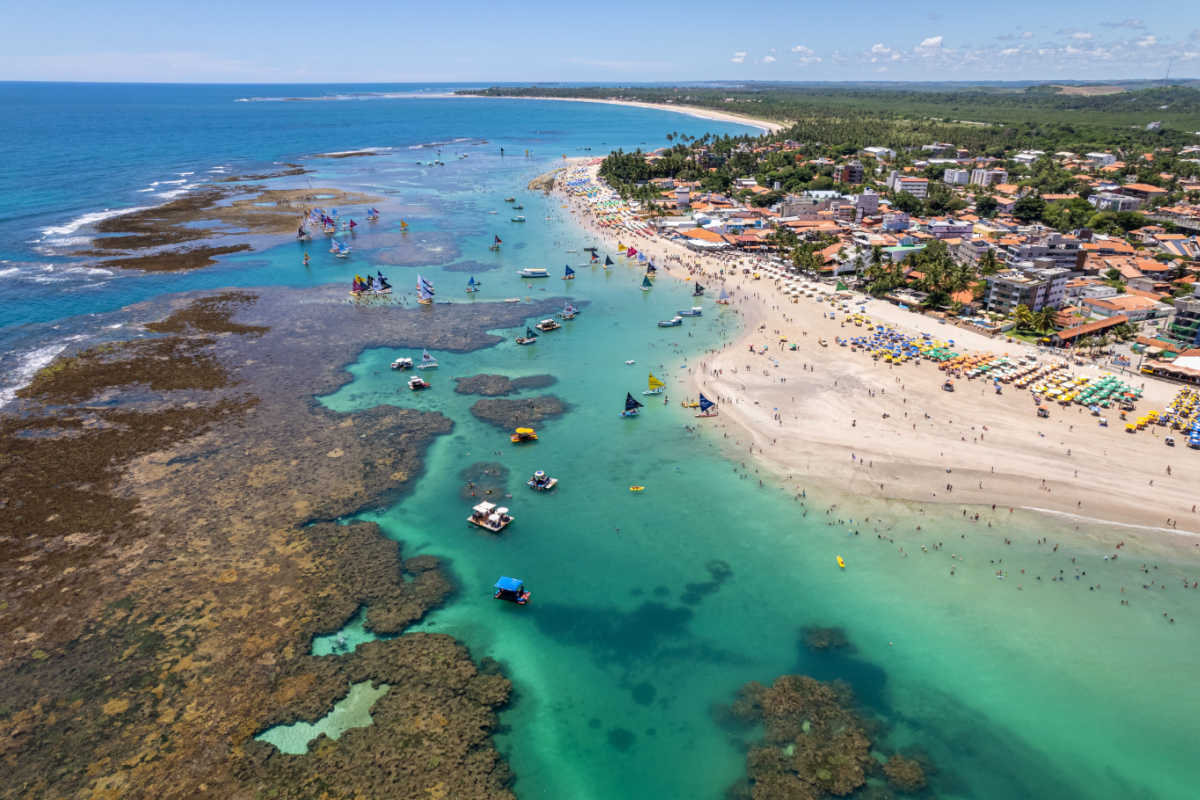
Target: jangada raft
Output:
{"points": [[511, 589], [529, 338], [541, 482], [490, 517], [631, 406], [654, 385], [523, 435], [707, 407]]}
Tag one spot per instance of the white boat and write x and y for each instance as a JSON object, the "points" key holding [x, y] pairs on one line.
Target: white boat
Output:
{"points": [[402, 363], [547, 325], [534, 272], [694, 311], [673, 322], [417, 383], [490, 517], [427, 361]]}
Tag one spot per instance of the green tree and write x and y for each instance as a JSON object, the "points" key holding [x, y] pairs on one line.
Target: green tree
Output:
{"points": [[1043, 320], [986, 206], [1029, 208], [1023, 317]]}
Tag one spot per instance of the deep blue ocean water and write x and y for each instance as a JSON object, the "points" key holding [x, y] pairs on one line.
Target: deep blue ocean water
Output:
{"points": [[649, 609]]}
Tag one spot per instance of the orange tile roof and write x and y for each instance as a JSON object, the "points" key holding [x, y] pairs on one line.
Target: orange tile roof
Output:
{"points": [[702, 235]]}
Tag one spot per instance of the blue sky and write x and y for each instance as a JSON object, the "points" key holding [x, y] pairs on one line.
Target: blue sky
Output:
{"points": [[618, 41]]}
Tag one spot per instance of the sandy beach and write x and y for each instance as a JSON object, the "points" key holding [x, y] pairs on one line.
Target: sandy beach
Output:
{"points": [[766, 126], [825, 418]]}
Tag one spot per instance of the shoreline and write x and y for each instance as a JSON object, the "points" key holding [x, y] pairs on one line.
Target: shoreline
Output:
{"points": [[821, 418], [766, 126]]}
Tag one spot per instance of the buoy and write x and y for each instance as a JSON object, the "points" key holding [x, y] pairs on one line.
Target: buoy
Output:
{"points": [[841, 562], [637, 488]]}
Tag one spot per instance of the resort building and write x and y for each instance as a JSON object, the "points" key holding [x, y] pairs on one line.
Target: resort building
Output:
{"points": [[1111, 201], [988, 176], [849, 173], [1068, 337], [917, 187], [956, 177], [1026, 286], [1186, 326]]}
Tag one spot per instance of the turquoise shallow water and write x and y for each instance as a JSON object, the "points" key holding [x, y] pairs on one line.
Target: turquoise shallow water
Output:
{"points": [[630, 641], [649, 609]]}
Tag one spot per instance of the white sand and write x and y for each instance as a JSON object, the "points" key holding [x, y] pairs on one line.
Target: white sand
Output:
{"points": [[832, 432]]}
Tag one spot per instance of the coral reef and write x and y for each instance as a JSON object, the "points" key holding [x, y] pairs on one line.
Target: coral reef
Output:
{"points": [[818, 638], [499, 385], [524, 411], [904, 774], [170, 553]]}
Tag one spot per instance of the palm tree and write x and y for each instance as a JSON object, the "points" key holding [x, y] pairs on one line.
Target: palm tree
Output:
{"points": [[1023, 317], [1043, 321]]}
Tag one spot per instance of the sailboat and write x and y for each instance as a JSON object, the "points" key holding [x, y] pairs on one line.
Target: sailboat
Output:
{"points": [[569, 275], [372, 214], [424, 291], [529, 338], [646, 284], [608, 262], [656, 386], [472, 285], [403, 225], [341, 250], [427, 361], [707, 407], [569, 311], [698, 291], [651, 269], [631, 406], [495, 243], [723, 299]]}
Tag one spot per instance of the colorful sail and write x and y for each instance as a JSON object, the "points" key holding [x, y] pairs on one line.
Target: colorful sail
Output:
{"points": [[705, 404], [472, 284], [529, 334], [631, 252], [630, 403], [646, 284], [608, 262], [569, 273], [424, 291], [497, 240], [651, 269], [655, 383], [620, 248]]}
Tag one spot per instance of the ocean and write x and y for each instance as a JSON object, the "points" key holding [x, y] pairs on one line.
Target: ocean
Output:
{"points": [[649, 610]]}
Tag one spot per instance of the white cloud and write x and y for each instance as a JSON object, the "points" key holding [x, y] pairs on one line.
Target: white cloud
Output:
{"points": [[1081, 35], [739, 57], [1010, 51], [879, 48], [1148, 40], [1131, 22], [806, 55], [768, 59], [1026, 34], [1072, 50], [932, 42]]}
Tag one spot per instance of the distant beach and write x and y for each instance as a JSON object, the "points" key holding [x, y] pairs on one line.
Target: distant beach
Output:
{"points": [[766, 126]]}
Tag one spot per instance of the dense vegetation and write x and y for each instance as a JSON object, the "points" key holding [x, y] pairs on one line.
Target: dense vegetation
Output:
{"points": [[981, 118]]}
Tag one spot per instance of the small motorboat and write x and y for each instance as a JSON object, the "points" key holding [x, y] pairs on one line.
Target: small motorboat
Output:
{"points": [[694, 311], [529, 338], [630, 362], [673, 322], [547, 325], [511, 589], [518, 218], [569, 312], [518, 208], [541, 482], [490, 517], [523, 435], [510, 199], [534, 272], [417, 383], [402, 363]]}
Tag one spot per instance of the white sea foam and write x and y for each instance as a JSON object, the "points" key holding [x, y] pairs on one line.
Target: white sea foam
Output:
{"points": [[185, 174], [380, 149], [168, 183], [28, 364], [90, 218], [1099, 521]]}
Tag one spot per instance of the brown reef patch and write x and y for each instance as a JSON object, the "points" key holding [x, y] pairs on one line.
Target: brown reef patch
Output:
{"points": [[519, 412], [498, 385], [170, 552]]}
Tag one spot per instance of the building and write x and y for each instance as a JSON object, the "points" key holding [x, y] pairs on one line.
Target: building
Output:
{"points": [[1186, 325], [1070, 336], [1143, 191], [1135, 307], [951, 229], [988, 176], [881, 153], [956, 177], [1101, 159], [1028, 156], [1110, 201], [1026, 286], [1056, 250], [917, 187], [683, 197], [896, 221], [867, 204], [849, 173]]}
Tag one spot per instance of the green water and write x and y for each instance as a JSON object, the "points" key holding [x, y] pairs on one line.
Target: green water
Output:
{"points": [[352, 711], [1047, 690]]}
